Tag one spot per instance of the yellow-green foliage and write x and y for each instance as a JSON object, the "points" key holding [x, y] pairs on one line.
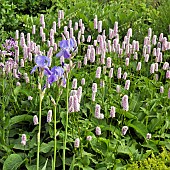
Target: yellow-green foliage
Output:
{"points": [[160, 162]]}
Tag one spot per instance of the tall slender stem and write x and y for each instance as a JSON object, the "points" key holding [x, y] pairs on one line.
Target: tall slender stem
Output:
{"points": [[3, 96], [65, 139], [55, 141], [55, 129], [39, 129]]}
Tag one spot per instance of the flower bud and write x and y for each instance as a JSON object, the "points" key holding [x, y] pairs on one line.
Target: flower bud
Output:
{"points": [[169, 93], [125, 103], [127, 84], [94, 87], [76, 26], [95, 22], [138, 66], [85, 60], [97, 111], [83, 81], [49, 116], [124, 130], [93, 96], [71, 104], [161, 89], [166, 66], [74, 84], [168, 74], [102, 83], [118, 88], [125, 75], [30, 97], [146, 58], [112, 112], [154, 39], [111, 73], [79, 93], [98, 72], [148, 136], [127, 62], [156, 66], [35, 120], [18, 84], [98, 131], [76, 104], [92, 55], [152, 68], [23, 139], [100, 26], [101, 116], [33, 29], [89, 138], [89, 38], [77, 143], [119, 73], [109, 62]]}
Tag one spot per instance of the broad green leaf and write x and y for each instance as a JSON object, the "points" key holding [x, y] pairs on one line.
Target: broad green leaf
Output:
{"points": [[13, 162], [46, 147], [20, 118], [155, 124], [44, 167], [139, 127], [72, 163], [99, 146], [31, 167], [87, 168]]}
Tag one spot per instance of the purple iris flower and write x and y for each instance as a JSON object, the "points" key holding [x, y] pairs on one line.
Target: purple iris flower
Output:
{"points": [[42, 62], [66, 46], [55, 74]]}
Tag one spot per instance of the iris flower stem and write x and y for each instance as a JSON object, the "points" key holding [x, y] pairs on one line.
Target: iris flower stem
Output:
{"points": [[65, 139], [55, 141], [39, 128], [3, 97], [55, 129]]}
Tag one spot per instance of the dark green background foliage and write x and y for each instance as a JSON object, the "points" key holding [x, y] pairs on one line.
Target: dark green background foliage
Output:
{"points": [[140, 15]]}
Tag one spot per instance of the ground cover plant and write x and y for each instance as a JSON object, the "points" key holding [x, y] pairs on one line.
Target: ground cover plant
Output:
{"points": [[79, 99]]}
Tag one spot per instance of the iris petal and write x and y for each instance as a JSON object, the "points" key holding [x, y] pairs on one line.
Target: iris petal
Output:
{"points": [[66, 54], [71, 43], [34, 68], [52, 78], [63, 44], [48, 72], [60, 54]]}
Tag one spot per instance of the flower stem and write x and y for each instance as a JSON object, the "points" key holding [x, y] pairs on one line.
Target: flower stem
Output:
{"points": [[55, 129], [55, 141], [39, 129], [3, 99], [65, 139]]}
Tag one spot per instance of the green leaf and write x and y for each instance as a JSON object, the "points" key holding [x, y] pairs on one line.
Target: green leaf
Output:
{"points": [[20, 118], [46, 147], [99, 145], [13, 162], [16, 90], [87, 168], [72, 164], [44, 167], [155, 124], [139, 127]]}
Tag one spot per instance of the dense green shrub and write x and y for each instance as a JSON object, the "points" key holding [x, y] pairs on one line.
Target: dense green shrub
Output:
{"points": [[159, 162]]}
